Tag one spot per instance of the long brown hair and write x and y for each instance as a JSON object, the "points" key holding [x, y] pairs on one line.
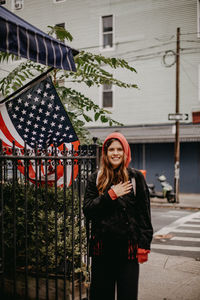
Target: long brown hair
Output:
{"points": [[108, 175]]}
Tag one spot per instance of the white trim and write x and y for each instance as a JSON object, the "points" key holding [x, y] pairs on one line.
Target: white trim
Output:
{"points": [[101, 33]]}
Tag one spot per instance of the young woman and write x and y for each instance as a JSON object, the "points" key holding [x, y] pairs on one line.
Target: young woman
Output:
{"points": [[117, 203]]}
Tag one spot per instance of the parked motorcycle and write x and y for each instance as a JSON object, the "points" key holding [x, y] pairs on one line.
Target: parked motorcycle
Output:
{"points": [[167, 190]]}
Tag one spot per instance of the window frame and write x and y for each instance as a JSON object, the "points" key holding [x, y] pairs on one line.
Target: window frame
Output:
{"points": [[102, 33], [101, 97], [198, 18], [14, 2], [1, 2]]}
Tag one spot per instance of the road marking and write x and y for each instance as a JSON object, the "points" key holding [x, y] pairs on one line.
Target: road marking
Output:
{"points": [[186, 239], [171, 227], [195, 221], [190, 225], [185, 231], [173, 247]]}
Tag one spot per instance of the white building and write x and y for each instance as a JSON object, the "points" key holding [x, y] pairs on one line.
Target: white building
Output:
{"points": [[144, 32]]}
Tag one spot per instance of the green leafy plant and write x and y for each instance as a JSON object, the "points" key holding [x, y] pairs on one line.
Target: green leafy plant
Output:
{"points": [[90, 72], [40, 230]]}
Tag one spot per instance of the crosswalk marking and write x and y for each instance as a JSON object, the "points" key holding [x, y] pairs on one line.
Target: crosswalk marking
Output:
{"points": [[173, 247], [186, 239], [189, 229], [190, 225], [185, 231], [177, 223]]}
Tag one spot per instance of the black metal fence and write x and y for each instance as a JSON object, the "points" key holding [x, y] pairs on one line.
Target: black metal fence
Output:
{"points": [[43, 251]]}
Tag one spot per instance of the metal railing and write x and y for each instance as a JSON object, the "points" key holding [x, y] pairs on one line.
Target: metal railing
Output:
{"points": [[43, 251]]}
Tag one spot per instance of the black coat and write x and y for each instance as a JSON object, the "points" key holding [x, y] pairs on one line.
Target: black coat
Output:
{"points": [[126, 218]]}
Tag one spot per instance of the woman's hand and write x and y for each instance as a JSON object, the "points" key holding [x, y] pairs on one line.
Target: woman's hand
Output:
{"points": [[121, 189]]}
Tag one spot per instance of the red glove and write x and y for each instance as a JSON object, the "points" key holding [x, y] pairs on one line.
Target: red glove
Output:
{"points": [[142, 255]]}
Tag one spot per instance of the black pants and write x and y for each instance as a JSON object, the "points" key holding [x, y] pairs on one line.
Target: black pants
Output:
{"points": [[108, 272]]}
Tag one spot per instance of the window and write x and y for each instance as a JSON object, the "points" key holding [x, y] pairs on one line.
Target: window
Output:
{"points": [[17, 4], [107, 97], [107, 32], [57, 1], [2, 2], [61, 25]]}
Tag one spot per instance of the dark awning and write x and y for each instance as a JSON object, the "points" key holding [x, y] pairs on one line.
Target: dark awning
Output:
{"points": [[25, 40]]}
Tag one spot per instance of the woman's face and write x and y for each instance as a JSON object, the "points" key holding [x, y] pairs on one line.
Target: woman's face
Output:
{"points": [[115, 154]]}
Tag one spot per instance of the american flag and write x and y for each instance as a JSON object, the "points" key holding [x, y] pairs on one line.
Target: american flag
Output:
{"points": [[37, 117]]}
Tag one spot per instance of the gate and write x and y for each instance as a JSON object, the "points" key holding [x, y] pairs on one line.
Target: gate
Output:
{"points": [[43, 251]]}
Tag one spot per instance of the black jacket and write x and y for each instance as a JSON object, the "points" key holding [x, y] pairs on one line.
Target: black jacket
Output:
{"points": [[126, 218]]}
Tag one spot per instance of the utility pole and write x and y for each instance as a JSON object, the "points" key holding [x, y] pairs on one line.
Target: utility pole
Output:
{"points": [[177, 141]]}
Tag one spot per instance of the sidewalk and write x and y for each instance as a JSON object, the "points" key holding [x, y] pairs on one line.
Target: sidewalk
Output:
{"points": [[186, 201], [166, 277]]}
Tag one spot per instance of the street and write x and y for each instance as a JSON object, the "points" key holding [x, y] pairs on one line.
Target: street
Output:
{"points": [[176, 232]]}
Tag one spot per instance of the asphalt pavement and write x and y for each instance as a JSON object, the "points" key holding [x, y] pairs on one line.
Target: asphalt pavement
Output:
{"points": [[171, 277]]}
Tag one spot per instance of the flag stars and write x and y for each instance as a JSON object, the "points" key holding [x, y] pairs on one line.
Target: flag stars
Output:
{"points": [[19, 100], [57, 133], [29, 96], [14, 116], [45, 94], [62, 118], [40, 110], [38, 118], [26, 104], [67, 128], [52, 124], [36, 99], [10, 104], [50, 105], [26, 129], [34, 132], [28, 122], [23, 112], [47, 86], [57, 107], [55, 116], [43, 128], [47, 113], [60, 126], [33, 107], [21, 119], [36, 125], [19, 126], [39, 91], [70, 136], [45, 121], [42, 102], [31, 115], [52, 97], [41, 135], [16, 108]]}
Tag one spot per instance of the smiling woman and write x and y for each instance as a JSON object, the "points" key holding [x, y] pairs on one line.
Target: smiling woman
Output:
{"points": [[115, 153], [121, 230]]}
